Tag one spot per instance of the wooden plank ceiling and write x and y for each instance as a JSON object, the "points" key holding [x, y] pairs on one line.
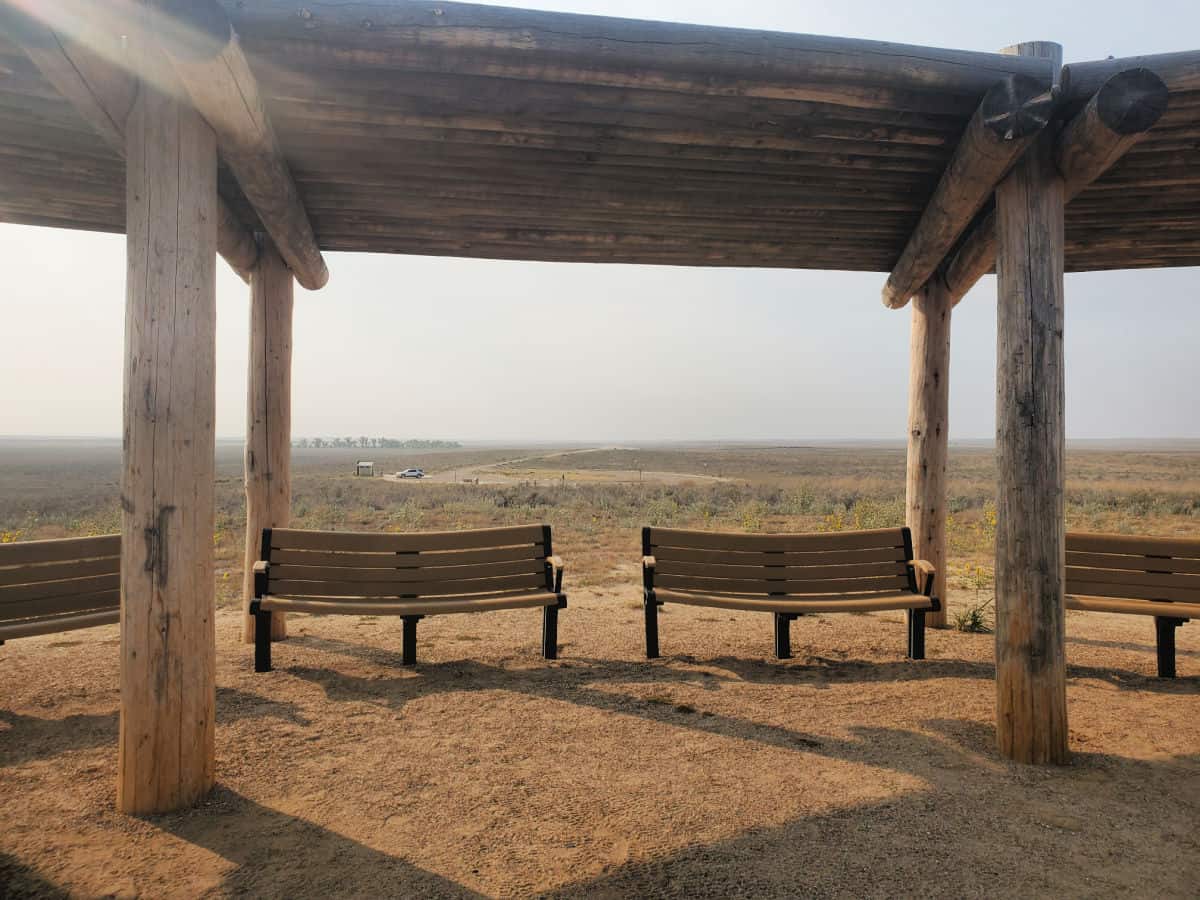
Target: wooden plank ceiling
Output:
{"points": [[449, 129]]}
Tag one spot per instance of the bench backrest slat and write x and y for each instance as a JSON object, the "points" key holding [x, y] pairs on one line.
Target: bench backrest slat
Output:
{"points": [[40, 579], [389, 566], [857, 562], [1133, 567]]}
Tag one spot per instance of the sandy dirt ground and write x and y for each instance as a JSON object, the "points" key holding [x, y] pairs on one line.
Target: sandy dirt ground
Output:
{"points": [[509, 471], [714, 772]]}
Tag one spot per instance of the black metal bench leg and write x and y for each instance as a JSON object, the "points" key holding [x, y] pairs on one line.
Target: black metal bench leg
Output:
{"points": [[408, 648], [550, 632], [783, 636], [262, 640], [651, 629], [916, 634], [1164, 634]]}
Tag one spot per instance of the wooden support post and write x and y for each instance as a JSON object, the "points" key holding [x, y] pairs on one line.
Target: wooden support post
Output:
{"points": [[1031, 713], [268, 419], [168, 644], [929, 432]]}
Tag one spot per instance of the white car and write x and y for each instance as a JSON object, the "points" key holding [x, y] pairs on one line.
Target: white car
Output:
{"points": [[411, 473]]}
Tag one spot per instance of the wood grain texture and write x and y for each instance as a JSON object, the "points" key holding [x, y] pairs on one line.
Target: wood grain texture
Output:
{"points": [[168, 649], [1118, 116], [1009, 118], [1031, 714], [209, 61], [268, 457], [929, 432]]}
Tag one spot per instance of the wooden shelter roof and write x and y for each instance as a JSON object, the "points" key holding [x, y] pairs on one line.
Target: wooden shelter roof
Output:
{"points": [[452, 129]]}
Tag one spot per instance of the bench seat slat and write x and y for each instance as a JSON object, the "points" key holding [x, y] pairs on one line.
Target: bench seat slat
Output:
{"points": [[428, 560], [79, 568], [484, 603], [1084, 542], [796, 573], [49, 606], [405, 575], [750, 558], [1135, 562], [794, 543], [290, 588], [370, 542], [1147, 581], [764, 586], [1099, 587], [1133, 607], [59, 550], [21, 592], [55, 624], [815, 603]]}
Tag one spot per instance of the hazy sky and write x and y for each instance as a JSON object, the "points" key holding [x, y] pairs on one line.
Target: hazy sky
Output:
{"points": [[421, 347]]}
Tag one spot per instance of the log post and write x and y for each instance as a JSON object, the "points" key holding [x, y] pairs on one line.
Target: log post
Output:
{"points": [[929, 432], [268, 418], [1031, 710], [168, 645]]}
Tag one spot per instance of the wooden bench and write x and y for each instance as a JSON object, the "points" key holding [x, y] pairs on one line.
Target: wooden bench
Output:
{"points": [[787, 575], [59, 585], [1145, 576], [406, 575]]}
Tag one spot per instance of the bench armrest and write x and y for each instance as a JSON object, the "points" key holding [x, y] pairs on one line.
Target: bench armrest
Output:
{"points": [[261, 569], [924, 573], [649, 563], [556, 565]]}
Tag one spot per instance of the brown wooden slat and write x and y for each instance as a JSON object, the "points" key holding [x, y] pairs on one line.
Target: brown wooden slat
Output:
{"points": [[1133, 545], [22, 592], [59, 550], [748, 586], [35, 574], [49, 606], [366, 542], [411, 607], [814, 558], [341, 574], [1147, 580], [713, 540], [415, 588], [1099, 588], [1133, 563], [1133, 607], [814, 603], [796, 573], [406, 560], [55, 624]]}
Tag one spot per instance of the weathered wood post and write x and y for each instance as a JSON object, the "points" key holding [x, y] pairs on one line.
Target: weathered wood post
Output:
{"points": [[929, 431], [268, 417], [168, 647], [1031, 711]]}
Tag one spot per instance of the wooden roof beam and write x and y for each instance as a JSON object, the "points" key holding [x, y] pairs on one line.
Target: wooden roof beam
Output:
{"points": [[1116, 117], [207, 56], [1178, 71], [1011, 115], [103, 94]]}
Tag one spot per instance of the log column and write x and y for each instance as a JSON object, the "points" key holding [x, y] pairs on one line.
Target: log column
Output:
{"points": [[268, 417], [1031, 713], [168, 647], [929, 431]]}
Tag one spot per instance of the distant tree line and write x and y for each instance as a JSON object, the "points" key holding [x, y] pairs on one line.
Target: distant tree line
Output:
{"points": [[375, 443]]}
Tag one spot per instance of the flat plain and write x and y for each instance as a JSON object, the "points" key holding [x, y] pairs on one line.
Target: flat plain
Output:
{"points": [[715, 771]]}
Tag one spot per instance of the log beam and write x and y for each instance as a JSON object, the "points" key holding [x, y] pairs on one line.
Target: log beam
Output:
{"points": [[168, 642], [1031, 708], [929, 433], [103, 93], [1116, 117], [1178, 71], [268, 419], [1011, 115], [207, 56]]}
